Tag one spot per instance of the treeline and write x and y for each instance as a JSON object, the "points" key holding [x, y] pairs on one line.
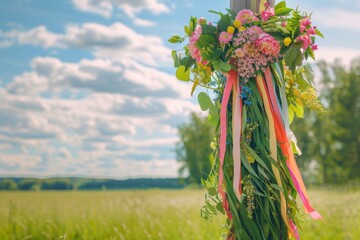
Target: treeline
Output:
{"points": [[34, 184], [330, 142]]}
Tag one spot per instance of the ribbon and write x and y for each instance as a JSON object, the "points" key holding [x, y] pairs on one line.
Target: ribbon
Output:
{"points": [[223, 130], [273, 144], [236, 130], [286, 149], [284, 109]]}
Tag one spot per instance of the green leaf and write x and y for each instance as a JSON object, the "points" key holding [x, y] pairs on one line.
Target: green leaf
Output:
{"points": [[277, 187], [293, 147], [303, 84], [209, 30], [225, 67], [224, 23], [218, 13], [183, 74], [187, 30], [212, 160], [220, 208], [283, 11], [298, 110], [311, 53], [231, 13], [280, 5], [247, 165], [290, 57], [204, 101], [293, 57], [257, 158], [291, 115], [176, 39], [213, 120], [299, 58], [187, 62], [319, 33], [175, 58], [206, 40], [192, 25], [216, 65], [213, 114], [212, 191], [243, 119]]}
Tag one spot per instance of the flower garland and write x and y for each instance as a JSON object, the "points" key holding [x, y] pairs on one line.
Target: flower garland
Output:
{"points": [[254, 64]]}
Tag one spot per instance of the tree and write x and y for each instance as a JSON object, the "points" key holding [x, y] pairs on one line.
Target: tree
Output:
{"points": [[8, 184], [332, 140], [30, 184], [193, 150]]}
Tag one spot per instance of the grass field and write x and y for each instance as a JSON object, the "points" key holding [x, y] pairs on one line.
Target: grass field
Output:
{"points": [[152, 214]]}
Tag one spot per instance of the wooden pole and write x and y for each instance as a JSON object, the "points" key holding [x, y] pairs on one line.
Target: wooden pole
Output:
{"points": [[254, 5]]}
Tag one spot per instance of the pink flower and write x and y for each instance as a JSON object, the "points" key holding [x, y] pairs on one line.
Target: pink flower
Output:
{"points": [[304, 22], [256, 30], [246, 16], [194, 51], [239, 52], [268, 45], [225, 37], [306, 39], [196, 34], [268, 13], [311, 31], [284, 24], [314, 47]]}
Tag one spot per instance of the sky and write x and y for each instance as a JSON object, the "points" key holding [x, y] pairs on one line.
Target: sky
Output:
{"points": [[87, 87]]}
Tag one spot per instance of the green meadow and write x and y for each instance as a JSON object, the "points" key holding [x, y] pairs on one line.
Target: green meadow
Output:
{"points": [[150, 214]]}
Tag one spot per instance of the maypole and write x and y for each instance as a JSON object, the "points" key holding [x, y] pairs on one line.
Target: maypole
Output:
{"points": [[252, 60], [254, 5]]}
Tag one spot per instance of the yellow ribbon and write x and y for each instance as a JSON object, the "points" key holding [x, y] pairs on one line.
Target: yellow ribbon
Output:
{"points": [[236, 129], [273, 145]]}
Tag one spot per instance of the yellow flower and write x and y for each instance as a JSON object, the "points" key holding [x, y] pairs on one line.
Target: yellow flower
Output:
{"points": [[237, 23], [230, 29], [241, 29], [287, 41]]}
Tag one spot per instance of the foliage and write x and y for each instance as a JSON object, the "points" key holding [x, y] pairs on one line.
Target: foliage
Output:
{"points": [[26, 184], [330, 141], [220, 48], [193, 149], [8, 184]]}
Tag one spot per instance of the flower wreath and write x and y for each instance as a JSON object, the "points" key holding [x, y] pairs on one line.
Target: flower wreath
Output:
{"points": [[254, 64]]}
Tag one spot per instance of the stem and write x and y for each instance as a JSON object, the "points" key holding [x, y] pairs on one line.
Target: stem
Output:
{"points": [[202, 85]]}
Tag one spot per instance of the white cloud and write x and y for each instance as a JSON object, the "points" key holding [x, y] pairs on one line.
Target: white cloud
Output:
{"points": [[329, 54], [125, 116], [143, 22], [337, 18], [105, 8], [38, 36], [99, 75], [114, 115], [116, 41], [6, 44]]}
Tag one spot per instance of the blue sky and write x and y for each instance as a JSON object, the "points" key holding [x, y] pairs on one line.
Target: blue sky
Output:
{"points": [[87, 87]]}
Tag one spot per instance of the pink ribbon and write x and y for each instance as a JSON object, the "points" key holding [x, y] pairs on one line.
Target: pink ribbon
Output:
{"points": [[223, 130]]}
